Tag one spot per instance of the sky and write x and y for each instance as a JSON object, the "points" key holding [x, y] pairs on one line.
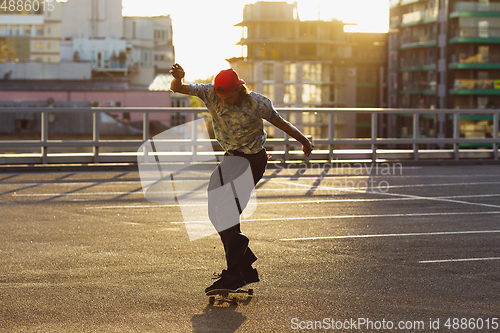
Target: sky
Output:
{"points": [[204, 34]]}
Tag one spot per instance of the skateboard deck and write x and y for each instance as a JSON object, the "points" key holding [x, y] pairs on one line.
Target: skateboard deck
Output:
{"points": [[226, 295]]}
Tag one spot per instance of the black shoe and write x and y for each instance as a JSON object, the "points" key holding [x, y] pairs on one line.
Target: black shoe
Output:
{"points": [[251, 275], [226, 280]]}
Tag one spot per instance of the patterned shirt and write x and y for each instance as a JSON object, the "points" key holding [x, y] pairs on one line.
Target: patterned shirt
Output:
{"points": [[237, 128]]}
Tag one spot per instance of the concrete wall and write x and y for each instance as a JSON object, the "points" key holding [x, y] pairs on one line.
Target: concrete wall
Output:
{"points": [[143, 77], [145, 27], [77, 19]]}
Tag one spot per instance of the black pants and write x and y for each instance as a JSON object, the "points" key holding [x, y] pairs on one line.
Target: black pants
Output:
{"points": [[222, 205]]}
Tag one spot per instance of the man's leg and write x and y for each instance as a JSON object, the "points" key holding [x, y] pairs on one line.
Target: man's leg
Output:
{"points": [[258, 163], [239, 257], [224, 213]]}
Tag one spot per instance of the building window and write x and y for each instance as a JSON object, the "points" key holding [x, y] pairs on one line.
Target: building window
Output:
{"points": [[268, 90], [311, 93], [290, 72], [482, 102], [482, 75], [311, 72], [269, 72], [39, 46], [483, 54], [290, 93]]}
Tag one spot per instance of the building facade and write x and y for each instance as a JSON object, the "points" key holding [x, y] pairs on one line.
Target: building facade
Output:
{"points": [[30, 32], [151, 50], [445, 54], [92, 19], [309, 64]]}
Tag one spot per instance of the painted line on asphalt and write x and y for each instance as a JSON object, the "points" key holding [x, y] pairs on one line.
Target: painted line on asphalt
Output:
{"points": [[75, 194], [317, 201], [397, 195], [259, 203], [305, 218], [272, 180], [457, 260], [438, 233]]}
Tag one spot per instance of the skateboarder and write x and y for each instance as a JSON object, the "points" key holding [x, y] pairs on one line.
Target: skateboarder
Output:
{"points": [[237, 117]]}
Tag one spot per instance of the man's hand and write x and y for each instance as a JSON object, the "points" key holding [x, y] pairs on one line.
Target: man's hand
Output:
{"points": [[177, 71], [176, 85], [307, 148]]}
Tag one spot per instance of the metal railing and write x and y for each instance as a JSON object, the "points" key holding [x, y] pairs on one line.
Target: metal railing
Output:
{"points": [[376, 148], [479, 32], [477, 7]]}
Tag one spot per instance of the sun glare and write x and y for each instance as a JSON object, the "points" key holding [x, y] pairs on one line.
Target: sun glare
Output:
{"points": [[204, 32]]}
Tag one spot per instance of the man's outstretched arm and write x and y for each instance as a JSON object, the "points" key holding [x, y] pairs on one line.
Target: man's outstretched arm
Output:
{"points": [[177, 85], [292, 131]]}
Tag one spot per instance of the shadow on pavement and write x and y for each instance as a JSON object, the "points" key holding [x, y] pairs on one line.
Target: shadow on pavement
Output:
{"points": [[219, 317]]}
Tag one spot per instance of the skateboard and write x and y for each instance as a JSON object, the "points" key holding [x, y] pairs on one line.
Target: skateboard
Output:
{"points": [[224, 295]]}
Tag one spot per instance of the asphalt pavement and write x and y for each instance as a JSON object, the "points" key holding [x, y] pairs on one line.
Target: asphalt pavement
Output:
{"points": [[359, 248]]}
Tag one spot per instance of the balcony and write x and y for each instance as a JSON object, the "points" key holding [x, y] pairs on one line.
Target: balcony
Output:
{"points": [[418, 41], [475, 35], [419, 88], [418, 64], [474, 61], [481, 9], [475, 87], [419, 17]]}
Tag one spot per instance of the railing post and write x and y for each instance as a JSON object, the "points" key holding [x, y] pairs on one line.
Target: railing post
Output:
{"points": [[331, 135], [145, 126], [456, 135], [286, 140], [194, 138], [44, 135], [96, 119], [495, 134], [416, 129], [145, 135], [374, 137]]}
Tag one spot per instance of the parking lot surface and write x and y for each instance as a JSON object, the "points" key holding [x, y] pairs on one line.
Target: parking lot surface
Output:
{"points": [[349, 248]]}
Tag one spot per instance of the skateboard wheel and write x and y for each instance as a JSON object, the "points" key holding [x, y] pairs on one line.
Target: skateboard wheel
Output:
{"points": [[250, 292], [211, 300], [234, 300]]}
